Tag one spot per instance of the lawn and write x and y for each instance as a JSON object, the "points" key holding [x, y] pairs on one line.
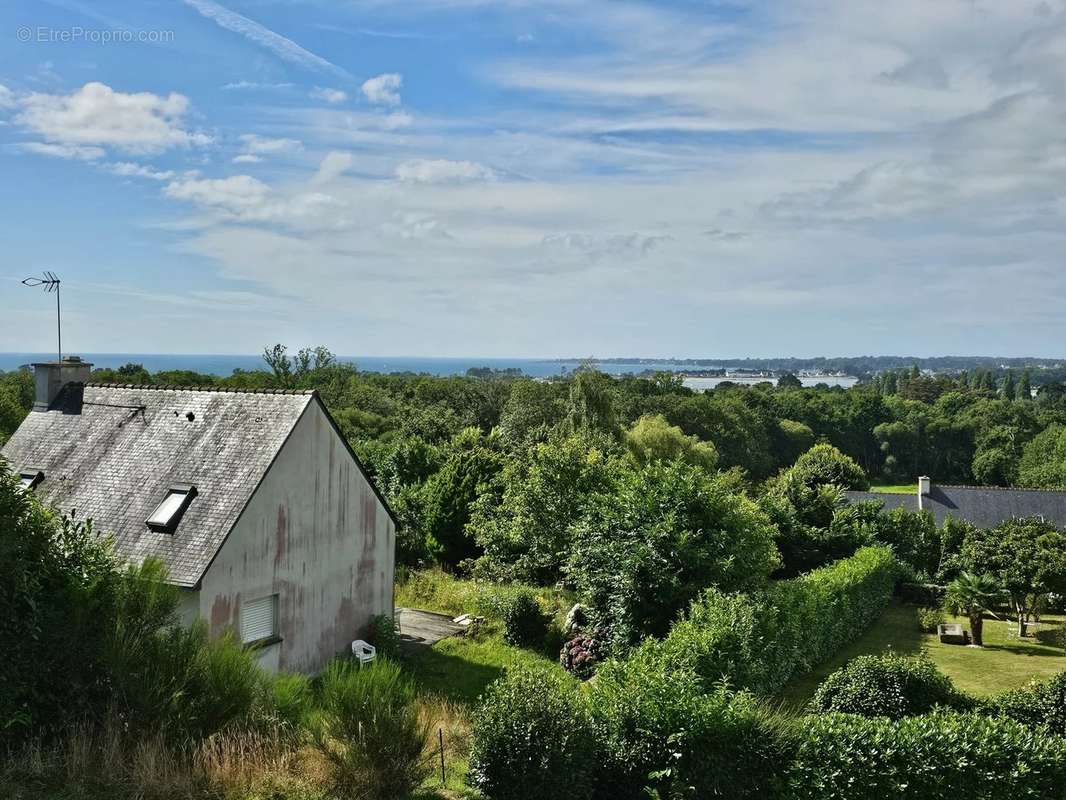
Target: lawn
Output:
{"points": [[895, 488], [1003, 663]]}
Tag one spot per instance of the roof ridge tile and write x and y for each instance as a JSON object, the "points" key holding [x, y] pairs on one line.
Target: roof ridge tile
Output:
{"points": [[174, 388]]}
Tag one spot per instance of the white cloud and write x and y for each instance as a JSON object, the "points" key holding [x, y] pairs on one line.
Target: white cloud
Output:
{"points": [[247, 158], [442, 171], [253, 86], [7, 97], [260, 145], [128, 169], [279, 45], [383, 89], [246, 199], [333, 165], [97, 115], [72, 151], [333, 96]]}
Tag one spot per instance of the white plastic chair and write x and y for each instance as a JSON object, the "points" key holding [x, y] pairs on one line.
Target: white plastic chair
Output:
{"points": [[363, 652]]}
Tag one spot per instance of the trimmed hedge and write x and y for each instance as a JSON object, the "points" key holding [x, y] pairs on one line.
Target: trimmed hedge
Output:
{"points": [[762, 640], [939, 756], [888, 686]]}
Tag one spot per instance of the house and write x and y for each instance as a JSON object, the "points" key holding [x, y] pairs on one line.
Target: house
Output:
{"points": [[264, 516], [983, 506]]}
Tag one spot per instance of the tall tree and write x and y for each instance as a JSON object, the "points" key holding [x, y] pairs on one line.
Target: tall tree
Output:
{"points": [[1008, 388], [1025, 388]]}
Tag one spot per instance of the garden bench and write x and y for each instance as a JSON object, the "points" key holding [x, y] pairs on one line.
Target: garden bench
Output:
{"points": [[952, 633]]}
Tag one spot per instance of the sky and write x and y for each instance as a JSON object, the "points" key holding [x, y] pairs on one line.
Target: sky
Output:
{"points": [[536, 178]]}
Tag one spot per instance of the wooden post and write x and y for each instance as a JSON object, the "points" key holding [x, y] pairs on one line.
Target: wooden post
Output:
{"points": [[443, 778]]}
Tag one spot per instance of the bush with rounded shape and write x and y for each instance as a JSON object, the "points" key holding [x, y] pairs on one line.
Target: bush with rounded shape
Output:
{"points": [[886, 686], [532, 737], [369, 730], [524, 622], [652, 438], [939, 756], [1043, 461], [657, 730], [823, 465]]}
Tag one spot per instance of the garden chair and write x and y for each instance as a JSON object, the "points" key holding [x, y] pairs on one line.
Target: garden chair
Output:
{"points": [[363, 652]]}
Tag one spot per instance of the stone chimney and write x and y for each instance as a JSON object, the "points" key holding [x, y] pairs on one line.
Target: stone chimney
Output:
{"points": [[52, 376], [924, 485]]}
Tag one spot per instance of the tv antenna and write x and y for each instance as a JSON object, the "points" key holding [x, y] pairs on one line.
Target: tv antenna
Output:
{"points": [[50, 282]]}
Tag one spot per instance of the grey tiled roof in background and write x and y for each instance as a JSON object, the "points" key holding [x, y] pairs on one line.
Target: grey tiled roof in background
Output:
{"points": [[116, 459], [984, 506]]}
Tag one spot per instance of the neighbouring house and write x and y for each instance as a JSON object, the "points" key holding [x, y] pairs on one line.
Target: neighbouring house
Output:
{"points": [[264, 516], [983, 506]]}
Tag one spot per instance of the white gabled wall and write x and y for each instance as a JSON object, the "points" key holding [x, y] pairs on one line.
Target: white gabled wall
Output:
{"points": [[315, 534]]}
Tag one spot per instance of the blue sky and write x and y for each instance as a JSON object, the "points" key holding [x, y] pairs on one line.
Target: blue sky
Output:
{"points": [[536, 177]]}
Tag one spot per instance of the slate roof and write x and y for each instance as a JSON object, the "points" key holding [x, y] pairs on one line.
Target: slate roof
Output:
{"points": [[984, 506], [116, 460]]}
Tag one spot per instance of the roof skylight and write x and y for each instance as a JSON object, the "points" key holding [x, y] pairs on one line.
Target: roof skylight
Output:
{"points": [[29, 478], [169, 511]]}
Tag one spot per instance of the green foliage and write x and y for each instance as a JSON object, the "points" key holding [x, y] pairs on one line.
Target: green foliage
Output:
{"points": [[368, 729], [1027, 557], [644, 551], [469, 471], [1043, 462], [384, 634], [1038, 706], [658, 729], [591, 407], [524, 622], [929, 619], [887, 686], [532, 737], [58, 586], [759, 641], [938, 756], [525, 532], [824, 465], [652, 438]]}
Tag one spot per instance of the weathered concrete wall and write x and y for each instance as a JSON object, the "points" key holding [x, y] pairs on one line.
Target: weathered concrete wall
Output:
{"points": [[188, 606], [316, 535]]}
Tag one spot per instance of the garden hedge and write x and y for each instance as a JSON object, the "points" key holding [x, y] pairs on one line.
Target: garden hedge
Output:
{"points": [[760, 641], [938, 756]]}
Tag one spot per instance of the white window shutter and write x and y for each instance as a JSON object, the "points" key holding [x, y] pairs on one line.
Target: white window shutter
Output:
{"points": [[259, 619]]}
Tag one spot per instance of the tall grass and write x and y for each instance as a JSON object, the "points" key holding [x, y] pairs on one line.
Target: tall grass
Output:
{"points": [[370, 731]]}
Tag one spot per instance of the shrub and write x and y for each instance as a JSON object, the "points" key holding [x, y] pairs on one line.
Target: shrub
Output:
{"points": [[939, 756], [824, 465], [384, 634], [657, 730], [524, 622], [369, 730], [1039, 704], [532, 737], [930, 618], [760, 641], [581, 654], [291, 699], [646, 550], [887, 686]]}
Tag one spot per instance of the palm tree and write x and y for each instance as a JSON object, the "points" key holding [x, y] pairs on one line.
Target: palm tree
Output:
{"points": [[971, 595]]}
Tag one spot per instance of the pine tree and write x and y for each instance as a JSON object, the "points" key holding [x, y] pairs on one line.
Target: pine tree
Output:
{"points": [[1008, 386], [988, 383], [1025, 388]]}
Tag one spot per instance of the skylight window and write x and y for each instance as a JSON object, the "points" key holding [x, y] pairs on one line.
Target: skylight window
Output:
{"points": [[29, 478], [168, 513]]}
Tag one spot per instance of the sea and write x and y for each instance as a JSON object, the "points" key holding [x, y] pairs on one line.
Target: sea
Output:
{"points": [[535, 368]]}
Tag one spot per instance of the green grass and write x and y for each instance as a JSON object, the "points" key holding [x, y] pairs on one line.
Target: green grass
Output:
{"points": [[1004, 663], [899, 488]]}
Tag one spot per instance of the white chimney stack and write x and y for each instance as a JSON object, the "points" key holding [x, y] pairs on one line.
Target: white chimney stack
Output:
{"points": [[924, 485], [51, 376]]}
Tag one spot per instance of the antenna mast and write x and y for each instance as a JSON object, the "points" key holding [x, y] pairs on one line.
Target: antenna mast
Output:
{"points": [[50, 282]]}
